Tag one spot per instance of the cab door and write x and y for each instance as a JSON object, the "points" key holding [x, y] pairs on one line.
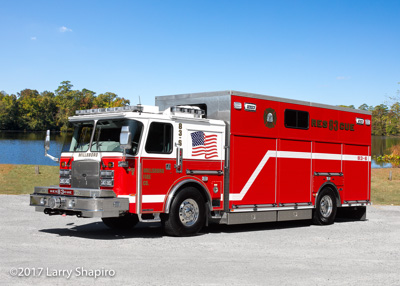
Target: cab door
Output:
{"points": [[157, 166]]}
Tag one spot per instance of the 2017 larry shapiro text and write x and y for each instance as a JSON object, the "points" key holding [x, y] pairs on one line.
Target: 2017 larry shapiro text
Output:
{"points": [[61, 273]]}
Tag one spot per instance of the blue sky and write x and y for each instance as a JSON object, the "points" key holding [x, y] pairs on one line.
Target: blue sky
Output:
{"points": [[332, 52]]}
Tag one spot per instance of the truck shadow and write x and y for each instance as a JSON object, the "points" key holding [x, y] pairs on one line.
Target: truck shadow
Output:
{"points": [[98, 231], [223, 228]]}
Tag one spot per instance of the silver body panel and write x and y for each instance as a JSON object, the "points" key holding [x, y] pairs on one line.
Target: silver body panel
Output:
{"points": [[248, 217], [294, 215], [265, 216]]}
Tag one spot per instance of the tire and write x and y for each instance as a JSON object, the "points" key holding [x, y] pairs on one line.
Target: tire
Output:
{"points": [[187, 213], [326, 207], [122, 223]]}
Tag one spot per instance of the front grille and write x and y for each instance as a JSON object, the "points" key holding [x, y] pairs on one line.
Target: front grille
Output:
{"points": [[85, 174]]}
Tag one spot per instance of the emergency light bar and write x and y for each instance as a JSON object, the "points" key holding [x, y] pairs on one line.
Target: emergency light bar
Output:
{"points": [[134, 108], [192, 111], [181, 111]]}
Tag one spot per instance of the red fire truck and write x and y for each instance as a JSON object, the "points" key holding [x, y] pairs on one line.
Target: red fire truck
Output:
{"points": [[229, 157]]}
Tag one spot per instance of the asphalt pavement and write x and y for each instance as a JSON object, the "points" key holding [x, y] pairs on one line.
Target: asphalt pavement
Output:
{"points": [[38, 249]]}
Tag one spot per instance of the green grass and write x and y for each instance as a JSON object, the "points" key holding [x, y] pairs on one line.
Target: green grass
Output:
{"points": [[383, 191], [21, 179]]}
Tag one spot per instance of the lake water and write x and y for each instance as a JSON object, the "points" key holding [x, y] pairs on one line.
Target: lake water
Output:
{"points": [[27, 148]]}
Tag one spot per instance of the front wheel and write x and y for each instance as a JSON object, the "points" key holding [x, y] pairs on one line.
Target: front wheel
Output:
{"points": [[326, 207], [187, 214], [122, 223]]}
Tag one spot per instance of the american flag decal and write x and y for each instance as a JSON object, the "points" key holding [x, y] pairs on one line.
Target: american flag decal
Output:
{"points": [[203, 144]]}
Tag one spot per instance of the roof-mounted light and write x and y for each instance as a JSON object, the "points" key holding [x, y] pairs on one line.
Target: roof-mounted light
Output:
{"points": [[187, 111], [135, 108]]}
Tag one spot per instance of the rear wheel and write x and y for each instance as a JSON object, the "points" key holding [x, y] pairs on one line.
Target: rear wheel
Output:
{"points": [[187, 213], [326, 207], [122, 222]]}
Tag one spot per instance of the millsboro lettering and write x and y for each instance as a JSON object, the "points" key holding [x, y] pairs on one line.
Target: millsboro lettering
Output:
{"points": [[153, 170], [88, 154]]}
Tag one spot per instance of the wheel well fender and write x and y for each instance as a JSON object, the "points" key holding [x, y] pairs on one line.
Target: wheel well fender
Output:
{"points": [[333, 187], [187, 183]]}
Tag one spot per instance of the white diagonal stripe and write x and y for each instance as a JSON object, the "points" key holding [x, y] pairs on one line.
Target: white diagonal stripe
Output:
{"points": [[238, 197], [292, 155]]}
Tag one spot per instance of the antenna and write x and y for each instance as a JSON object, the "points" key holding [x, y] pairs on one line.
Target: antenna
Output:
{"points": [[140, 106]]}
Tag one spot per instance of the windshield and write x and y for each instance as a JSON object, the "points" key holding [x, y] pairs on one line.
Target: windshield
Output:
{"points": [[106, 136], [80, 140]]}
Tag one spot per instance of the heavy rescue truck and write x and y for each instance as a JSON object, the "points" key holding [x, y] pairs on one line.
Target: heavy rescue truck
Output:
{"points": [[229, 157]]}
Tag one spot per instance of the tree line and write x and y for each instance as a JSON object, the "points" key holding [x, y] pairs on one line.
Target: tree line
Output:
{"points": [[33, 111], [385, 119]]}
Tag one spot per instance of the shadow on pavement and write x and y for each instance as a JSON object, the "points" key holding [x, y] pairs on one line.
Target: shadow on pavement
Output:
{"points": [[223, 228], [98, 231]]}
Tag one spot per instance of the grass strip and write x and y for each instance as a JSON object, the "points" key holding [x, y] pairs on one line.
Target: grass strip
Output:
{"points": [[21, 179]]}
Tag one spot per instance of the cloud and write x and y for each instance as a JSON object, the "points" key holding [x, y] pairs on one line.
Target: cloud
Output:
{"points": [[64, 29], [342, 77], [33, 38]]}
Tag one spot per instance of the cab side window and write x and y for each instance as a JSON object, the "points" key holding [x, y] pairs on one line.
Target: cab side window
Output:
{"points": [[160, 138]]}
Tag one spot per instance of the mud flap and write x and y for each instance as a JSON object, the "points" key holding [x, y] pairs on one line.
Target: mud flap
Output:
{"points": [[352, 213]]}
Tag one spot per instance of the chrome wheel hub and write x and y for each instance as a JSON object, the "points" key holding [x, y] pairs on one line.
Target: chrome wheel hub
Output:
{"points": [[326, 206], [188, 212]]}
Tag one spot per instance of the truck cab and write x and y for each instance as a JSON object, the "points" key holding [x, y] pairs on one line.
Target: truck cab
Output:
{"points": [[127, 164]]}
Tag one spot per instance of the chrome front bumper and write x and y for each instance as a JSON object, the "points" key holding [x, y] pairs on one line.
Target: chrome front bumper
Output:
{"points": [[81, 202]]}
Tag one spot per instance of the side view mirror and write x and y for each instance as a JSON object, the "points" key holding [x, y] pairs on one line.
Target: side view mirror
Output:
{"points": [[125, 138], [125, 141], [47, 147], [47, 141]]}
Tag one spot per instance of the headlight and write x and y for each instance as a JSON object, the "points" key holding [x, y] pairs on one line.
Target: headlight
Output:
{"points": [[71, 204], [106, 173], [106, 183], [42, 201], [65, 181], [65, 173]]}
